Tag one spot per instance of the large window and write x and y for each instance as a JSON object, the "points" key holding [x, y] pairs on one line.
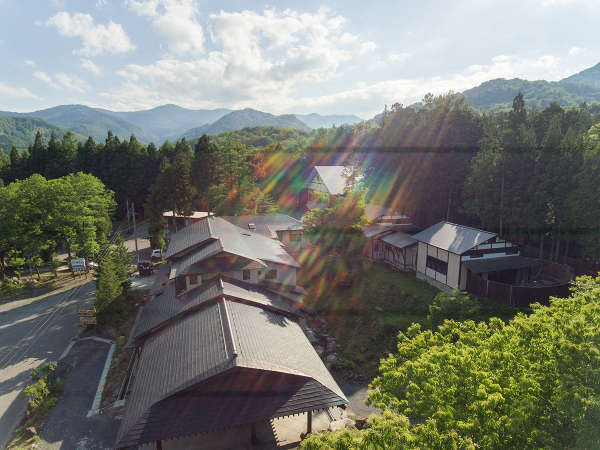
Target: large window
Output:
{"points": [[246, 274], [437, 264]]}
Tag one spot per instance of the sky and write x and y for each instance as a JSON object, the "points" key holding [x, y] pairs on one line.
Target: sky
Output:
{"points": [[333, 57]]}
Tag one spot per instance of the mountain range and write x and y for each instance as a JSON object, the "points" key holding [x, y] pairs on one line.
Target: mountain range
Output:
{"points": [[498, 94], [166, 122], [173, 122]]}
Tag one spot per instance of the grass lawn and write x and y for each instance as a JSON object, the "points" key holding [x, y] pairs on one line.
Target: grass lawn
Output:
{"points": [[365, 314], [364, 311]]}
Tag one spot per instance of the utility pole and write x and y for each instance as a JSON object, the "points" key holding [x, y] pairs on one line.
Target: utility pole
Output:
{"points": [[128, 217], [137, 255]]}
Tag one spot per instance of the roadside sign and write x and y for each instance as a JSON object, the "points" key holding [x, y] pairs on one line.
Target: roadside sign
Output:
{"points": [[78, 264]]}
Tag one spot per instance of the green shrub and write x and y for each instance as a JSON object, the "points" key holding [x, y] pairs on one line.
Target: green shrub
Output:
{"points": [[457, 305], [45, 384], [36, 393]]}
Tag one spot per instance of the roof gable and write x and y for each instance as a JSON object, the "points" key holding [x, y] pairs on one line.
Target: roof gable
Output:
{"points": [[189, 245], [216, 339], [163, 309], [333, 177], [452, 237]]}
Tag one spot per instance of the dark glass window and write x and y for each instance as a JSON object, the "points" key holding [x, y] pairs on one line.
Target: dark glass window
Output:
{"points": [[180, 284], [437, 264], [246, 274]]}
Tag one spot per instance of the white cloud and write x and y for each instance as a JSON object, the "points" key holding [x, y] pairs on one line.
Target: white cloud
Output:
{"points": [[175, 20], [62, 81], [96, 39], [399, 57], [576, 51], [29, 62], [257, 56], [15, 92], [101, 3], [71, 82], [367, 47], [88, 64], [42, 76]]}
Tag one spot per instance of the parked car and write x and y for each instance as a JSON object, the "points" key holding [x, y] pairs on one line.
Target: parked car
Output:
{"points": [[157, 253], [145, 268]]}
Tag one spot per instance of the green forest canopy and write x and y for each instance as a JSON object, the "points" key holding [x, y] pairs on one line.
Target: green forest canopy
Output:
{"points": [[531, 383]]}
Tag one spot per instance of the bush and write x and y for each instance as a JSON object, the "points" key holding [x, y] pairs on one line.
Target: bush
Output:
{"points": [[45, 384], [457, 305]]}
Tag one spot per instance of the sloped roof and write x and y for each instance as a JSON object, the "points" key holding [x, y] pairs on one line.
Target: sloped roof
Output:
{"points": [[374, 212], [232, 239], [333, 178], [267, 224], [376, 229], [168, 305], [452, 237], [191, 367], [194, 215], [190, 236], [399, 239]]}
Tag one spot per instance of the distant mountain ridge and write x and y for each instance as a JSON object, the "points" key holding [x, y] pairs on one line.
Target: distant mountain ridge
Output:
{"points": [[498, 94], [85, 121], [318, 121], [589, 77], [171, 122], [236, 120]]}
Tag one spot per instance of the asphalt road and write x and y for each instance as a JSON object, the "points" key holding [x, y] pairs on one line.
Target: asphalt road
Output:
{"points": [[33, 331]]}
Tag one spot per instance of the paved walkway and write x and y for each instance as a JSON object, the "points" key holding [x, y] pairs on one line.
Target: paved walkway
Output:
{"points": [[33, 331], [68, 426]]}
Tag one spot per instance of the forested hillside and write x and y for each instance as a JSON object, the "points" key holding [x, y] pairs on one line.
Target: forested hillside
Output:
{"points": [[529, 174], [20, 132], [590, 77], [236, 120], [496, 95]]}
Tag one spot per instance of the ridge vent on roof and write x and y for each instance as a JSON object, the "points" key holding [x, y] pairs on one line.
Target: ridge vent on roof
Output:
{"points": [[228, 332], [467, 226]]}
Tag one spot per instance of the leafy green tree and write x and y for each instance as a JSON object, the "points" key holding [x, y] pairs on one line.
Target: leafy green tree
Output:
{"points": [[530, 383], [204, 167], [113, 274], [39, 216], [457, 305]]}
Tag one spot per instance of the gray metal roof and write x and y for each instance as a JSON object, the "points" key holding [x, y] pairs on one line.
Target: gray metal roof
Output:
{"points": [[267, 224], [452, 237], [377, 229], [483, 265], [399, 239], [168, 306], [207, 371], [374, 212], [333, 177], [190, 236], [233, 239]]}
